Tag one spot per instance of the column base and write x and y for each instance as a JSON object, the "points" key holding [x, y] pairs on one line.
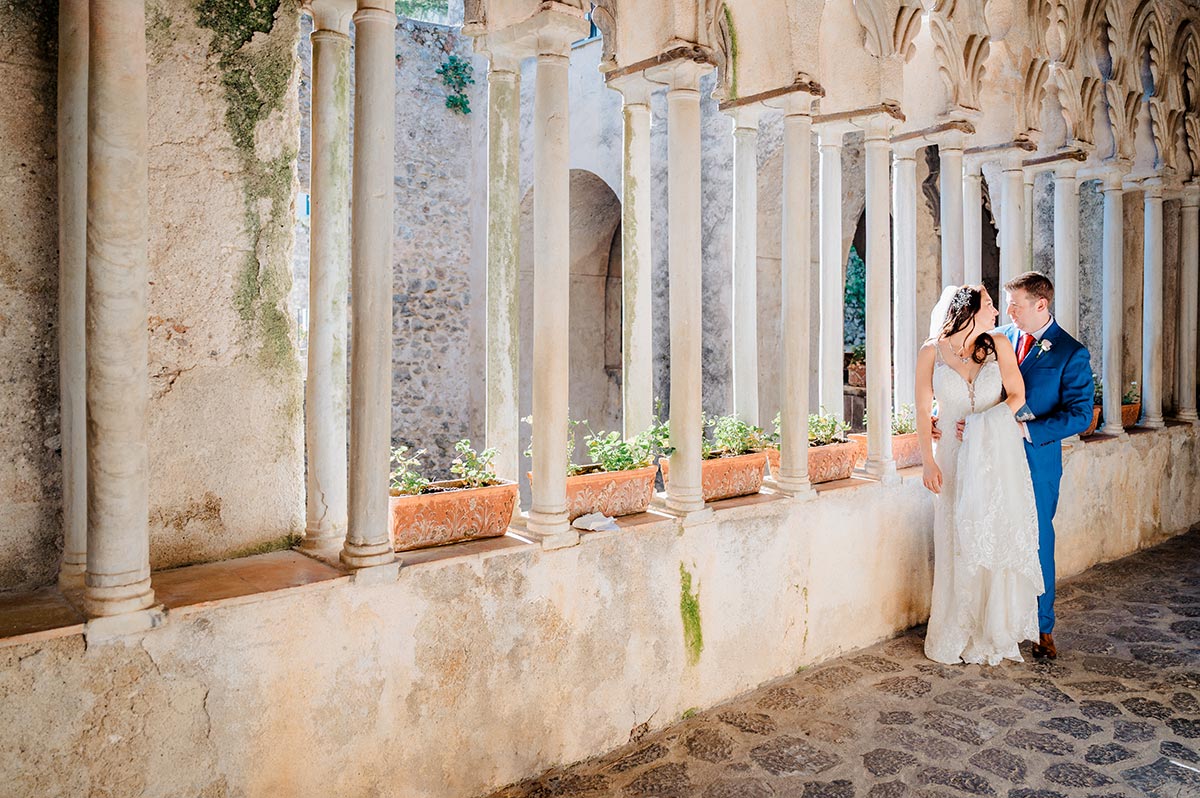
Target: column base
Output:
{"points": [[796, 487], [1115, 431], [70, 577], [552, 530], [1152, 423], [1188, 417], [367, 555], [690, 515], [883, 470], [106, 629], [113, 600], [321, 541]]}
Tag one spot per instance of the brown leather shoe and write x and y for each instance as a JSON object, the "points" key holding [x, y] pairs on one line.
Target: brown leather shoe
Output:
{"points": [[1045, 648]]}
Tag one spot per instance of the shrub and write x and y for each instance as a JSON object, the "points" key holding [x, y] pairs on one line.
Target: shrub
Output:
{"points": [[473, 468], [405, 475]]}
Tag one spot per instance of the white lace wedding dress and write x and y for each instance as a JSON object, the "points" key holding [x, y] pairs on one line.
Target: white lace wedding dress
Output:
{"points": [[986, 574]]}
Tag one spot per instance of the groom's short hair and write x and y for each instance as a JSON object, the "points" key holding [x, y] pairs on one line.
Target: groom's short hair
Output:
{"points": [[1035, 284]]}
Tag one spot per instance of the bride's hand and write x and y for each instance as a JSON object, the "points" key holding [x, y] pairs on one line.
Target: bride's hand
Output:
{"points": [[932, 478]]}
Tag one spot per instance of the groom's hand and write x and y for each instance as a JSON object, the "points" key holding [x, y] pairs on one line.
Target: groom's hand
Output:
{"points": [[959, 427], [935, 433]]}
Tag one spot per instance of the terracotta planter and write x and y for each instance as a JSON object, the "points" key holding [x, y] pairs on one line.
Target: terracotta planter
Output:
{"points": [[726, 477], [1130, 413], [1095, 422], [905, 448], [451, 514], [825, 463], [613, 493], [856, 375]]}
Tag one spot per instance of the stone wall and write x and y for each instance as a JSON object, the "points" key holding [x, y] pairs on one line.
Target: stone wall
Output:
{"points": [[224, 419], [471, 673], [30, 486]]}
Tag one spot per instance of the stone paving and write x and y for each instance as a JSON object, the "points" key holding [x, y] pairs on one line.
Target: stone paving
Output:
{"points": [[1118, 714]]}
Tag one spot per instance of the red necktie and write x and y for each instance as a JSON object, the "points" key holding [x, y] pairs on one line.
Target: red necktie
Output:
{"points": [[1023, 347]]}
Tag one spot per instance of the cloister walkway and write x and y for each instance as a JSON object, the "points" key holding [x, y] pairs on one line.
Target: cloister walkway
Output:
{"points": [[1118, 714]]}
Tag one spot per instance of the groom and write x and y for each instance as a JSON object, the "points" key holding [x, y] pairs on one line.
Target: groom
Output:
{"points": [[1058, 404]]}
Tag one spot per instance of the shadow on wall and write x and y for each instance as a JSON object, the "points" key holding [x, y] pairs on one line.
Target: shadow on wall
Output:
{"points": [[595, 311]]}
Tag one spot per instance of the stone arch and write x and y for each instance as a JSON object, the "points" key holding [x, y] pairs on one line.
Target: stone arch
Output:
{"points": [[595, 392]]}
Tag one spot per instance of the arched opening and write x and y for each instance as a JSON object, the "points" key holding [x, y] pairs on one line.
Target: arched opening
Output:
{"points": [[595, 310]]}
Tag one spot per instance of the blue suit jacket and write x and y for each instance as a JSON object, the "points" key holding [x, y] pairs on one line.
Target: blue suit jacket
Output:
{"points": [[1059, 392]]}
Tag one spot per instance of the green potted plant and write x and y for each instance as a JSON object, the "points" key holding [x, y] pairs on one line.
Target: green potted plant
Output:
{"points": [[831, 455], [905, 448], [475, 504], [733, 458], [1097, 405], [1131, 405], [619, 480], [856, 367]]}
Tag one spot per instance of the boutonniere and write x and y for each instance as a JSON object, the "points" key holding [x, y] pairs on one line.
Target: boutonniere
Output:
{"points": [[1043, 347]]}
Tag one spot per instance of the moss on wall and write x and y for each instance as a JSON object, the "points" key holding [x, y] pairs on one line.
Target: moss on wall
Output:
{"points": [[255, 48], [689, 609]]}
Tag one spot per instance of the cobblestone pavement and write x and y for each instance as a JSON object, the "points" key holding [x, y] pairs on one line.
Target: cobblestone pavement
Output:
{"points": [[1118, 714]]}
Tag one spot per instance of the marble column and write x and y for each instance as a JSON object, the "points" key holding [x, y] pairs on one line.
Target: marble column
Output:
{"points": [[503, 416], [833, 284], [1066, 248], [684, 494], [1189, 303], [796, 303], [1012, 224], [637, 297], [1113, 302], [879, 300], [745, 263], [551, 292], [117, 579], [368, 536], [1152, 306], [329, 256], [904, 244], [72, 283], [1027, 182], [973, 224], [952, 211]]}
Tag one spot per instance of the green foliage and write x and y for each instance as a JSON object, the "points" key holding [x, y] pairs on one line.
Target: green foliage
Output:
{"points": [[456, 76], [473, 468], [658, 435], [1132, 396], [904, 420], [421, 9], [735, 436], [613, 453], [406, 475], [858, 354], [855, 299], [825, 428]]}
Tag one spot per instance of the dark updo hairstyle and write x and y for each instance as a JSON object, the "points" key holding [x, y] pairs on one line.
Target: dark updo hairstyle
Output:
{"points": [[961, 316]]}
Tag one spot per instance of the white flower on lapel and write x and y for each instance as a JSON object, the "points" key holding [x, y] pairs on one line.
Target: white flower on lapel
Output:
{"points": [[1043, 346]]}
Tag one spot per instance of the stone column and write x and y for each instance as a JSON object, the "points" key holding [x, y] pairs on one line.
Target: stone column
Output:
{"points": [[1113, 302], [879, 301], [684, 494], [503, 416], [329, 256], [1027, 178], [551, 291], [1189, 304], [637, 305], [72, 282], [904, 243], [117, 579], [368, 538], [745, 263], [973, 225], [1066, 248], [833, 285], [1152, 306], [1012, 223], [951, 182], [795, 300]]}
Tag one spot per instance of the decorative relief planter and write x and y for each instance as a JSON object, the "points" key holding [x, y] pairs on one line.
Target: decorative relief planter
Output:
{"points": [[728, 476], [1095, 422], [826, 463], [856, 375], [451, 513], [906, 449], [613, 493], [1130, 414]]}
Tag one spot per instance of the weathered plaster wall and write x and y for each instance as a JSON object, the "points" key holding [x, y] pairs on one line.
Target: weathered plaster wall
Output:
{"points": [[472, 673], [30, 489]]}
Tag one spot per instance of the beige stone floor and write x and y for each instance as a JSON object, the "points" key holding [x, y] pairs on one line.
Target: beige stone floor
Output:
{"points": [[1118, 714]]}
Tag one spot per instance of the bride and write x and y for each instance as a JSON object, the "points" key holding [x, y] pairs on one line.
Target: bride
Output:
{"points": [[986, 574]]}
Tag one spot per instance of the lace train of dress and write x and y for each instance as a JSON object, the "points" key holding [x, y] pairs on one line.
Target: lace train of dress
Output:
{"points": [[986, 572]]}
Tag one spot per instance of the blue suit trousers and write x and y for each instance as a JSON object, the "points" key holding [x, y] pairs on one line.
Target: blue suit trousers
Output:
{"points": [[1045, 494]]}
